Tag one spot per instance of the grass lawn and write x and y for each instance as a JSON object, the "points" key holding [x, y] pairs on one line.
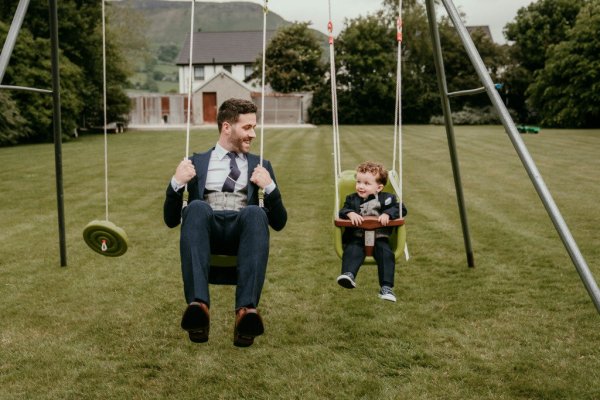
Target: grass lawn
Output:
{"points": [[518, 326]]}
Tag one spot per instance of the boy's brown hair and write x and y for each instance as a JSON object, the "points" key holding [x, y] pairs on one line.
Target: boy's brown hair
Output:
{"points": [[377, 169]]}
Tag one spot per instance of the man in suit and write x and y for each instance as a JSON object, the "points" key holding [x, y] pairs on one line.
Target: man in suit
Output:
{"points": [[224, 217]]}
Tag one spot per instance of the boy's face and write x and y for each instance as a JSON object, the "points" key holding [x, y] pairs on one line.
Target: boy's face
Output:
{"points": [[366, 184]]}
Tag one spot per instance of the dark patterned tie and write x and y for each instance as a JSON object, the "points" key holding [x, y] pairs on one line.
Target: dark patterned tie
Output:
{"points": [[234, 174]]}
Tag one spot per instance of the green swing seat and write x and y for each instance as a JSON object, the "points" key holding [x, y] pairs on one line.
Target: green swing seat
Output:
{"points": [[346, 186], [106, 238], [223, 270]]}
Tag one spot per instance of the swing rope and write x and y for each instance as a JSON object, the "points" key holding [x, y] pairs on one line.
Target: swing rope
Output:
{"points": [[261, 193], [262, 96], [334, 110], [104, 108], [398, 185], [189, 97], [104, 237], [190, 82]]}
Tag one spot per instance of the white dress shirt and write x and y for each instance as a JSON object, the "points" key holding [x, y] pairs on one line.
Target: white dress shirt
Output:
{"points": [[218, 170]]}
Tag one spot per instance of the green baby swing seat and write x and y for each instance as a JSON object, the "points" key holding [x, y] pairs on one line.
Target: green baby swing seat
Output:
{"points": [[346, 186]]}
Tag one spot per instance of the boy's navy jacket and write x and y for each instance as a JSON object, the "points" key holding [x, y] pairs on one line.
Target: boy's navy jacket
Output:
{"points": [[389, 205]]}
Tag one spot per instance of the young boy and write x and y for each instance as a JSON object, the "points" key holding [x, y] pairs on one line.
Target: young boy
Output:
{"points": [[369, 200]]}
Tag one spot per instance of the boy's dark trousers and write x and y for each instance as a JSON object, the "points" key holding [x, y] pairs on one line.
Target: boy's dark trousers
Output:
{"points": [[354, 256]]}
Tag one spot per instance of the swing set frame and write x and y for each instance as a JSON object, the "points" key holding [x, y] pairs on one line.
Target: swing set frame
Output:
{"points": [[488, 86]]}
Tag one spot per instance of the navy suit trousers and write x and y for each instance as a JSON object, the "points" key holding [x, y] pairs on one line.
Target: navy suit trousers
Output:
{"points": [[244, 233], [354, 256]]}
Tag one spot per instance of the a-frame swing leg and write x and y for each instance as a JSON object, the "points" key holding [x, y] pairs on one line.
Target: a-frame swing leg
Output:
{"points": [[511, 129], [7, 49], [443, 87], [57, 128], [11, 37]]}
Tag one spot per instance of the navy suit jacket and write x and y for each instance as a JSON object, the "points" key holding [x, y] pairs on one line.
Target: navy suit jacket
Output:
{"points": [[389, 205], [273, 204]]}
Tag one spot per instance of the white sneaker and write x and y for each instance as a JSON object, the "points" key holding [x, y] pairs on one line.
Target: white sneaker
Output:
{"points": [[386, 293], [346, 280]]}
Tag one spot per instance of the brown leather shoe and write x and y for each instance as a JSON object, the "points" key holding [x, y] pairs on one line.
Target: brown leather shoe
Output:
{"points": [[196, 320], [248, 325]]}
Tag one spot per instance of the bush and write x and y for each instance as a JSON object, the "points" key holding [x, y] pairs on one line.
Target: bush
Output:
{"points": [[12, 124], [470, 116]]}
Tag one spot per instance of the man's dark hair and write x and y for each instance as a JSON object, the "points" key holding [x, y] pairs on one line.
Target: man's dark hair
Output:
{"points": [[231, 109]]}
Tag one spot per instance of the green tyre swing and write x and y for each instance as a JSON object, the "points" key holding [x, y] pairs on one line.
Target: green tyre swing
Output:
{"points": [[106, 238], [103, 236]]}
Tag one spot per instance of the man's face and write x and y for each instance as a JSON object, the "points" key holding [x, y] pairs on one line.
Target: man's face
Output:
{"points": [[366, 184], [240, 134]]}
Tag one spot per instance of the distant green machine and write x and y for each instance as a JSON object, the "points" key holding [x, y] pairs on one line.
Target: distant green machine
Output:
{"points": [[528, 129]]}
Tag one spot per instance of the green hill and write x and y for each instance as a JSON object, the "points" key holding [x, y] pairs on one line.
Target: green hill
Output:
{"points": [[168, 22], [152, 32]]}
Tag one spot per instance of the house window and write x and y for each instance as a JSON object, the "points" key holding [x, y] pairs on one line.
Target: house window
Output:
{"points": [[248, 71], [199, 73], [227, 68]]}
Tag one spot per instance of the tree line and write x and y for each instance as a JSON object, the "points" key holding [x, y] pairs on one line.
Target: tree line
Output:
{"points": [[548, 74], [26, 117]]}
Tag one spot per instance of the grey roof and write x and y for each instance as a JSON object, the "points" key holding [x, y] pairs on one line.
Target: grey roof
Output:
{"points": [[223, 47]]}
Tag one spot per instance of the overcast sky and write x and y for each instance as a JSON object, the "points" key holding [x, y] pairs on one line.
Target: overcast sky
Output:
{"points": [[495, 13]]}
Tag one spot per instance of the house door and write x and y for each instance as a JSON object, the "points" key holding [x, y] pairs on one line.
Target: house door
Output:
{"points": [[209, 107], [165, 109]]}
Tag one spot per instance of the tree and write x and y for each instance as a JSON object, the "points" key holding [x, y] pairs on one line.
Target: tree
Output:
{"points": [[420, 95], [168, 53], [12, 124], [80, 66], [293, 60], [366, 72], [366, 58], [366, 55], [536, 27], [567, 90], [460, 72], [30, 67]]}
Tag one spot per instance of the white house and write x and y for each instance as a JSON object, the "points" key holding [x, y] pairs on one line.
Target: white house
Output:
{"points": [[221, 63], [214, 52]]}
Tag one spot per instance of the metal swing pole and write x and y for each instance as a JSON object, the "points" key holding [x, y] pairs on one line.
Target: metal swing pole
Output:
{"points": [[57, 128], [441, 76]]}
